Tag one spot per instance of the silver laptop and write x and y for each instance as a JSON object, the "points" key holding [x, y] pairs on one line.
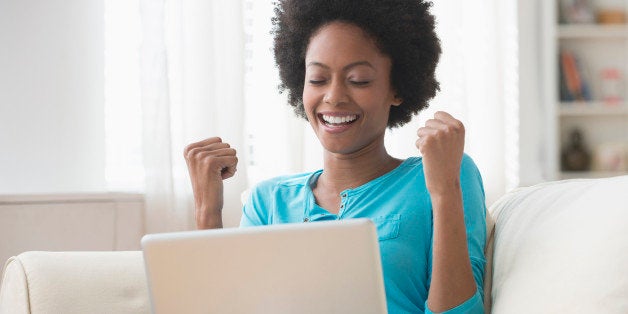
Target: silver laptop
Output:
{"points": [[317, 267]]}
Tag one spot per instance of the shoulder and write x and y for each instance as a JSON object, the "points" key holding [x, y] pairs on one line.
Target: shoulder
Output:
{"points": [[469, 172], [268, 196]]}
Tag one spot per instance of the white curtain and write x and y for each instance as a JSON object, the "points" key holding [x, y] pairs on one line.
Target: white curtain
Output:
{"points": [[478, 75], [192, 76]]}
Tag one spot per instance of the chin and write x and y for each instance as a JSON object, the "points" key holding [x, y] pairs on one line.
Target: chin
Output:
{"points": [[336, 147]]}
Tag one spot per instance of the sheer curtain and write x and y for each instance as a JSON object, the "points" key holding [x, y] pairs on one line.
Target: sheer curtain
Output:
{"points": [[191, 81], [478, 75]]}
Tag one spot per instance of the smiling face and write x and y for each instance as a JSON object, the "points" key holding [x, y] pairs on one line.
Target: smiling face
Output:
{"points": [[347, 92]]}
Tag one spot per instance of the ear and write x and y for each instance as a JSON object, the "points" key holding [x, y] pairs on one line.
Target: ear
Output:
{"points": [[397, 101]]}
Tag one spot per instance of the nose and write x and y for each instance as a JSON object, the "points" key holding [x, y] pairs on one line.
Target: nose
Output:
{"points": [[336, 93]]}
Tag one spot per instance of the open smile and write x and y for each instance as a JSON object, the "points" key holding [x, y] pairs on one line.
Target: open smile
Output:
{"points": [[337, 122], [336, 119]]}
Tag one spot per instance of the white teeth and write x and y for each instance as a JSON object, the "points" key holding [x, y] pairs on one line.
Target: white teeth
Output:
{"points": [[338, 120]]}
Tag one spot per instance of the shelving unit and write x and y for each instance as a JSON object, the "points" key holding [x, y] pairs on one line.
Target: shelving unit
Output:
{"points": [[603, 124]]}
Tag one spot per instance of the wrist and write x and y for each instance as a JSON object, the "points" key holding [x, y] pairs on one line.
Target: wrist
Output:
{"points": [[208, 219], [445, 189]]}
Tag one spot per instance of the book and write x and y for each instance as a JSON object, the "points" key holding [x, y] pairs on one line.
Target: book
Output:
{"points": [[573, 81]]}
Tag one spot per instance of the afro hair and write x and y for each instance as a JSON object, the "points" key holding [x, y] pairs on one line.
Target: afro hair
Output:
{"points": [[404, 30]]}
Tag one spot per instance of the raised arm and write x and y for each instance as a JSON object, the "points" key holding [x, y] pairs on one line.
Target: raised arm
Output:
{"points": [[441, 143], [209, 161]]}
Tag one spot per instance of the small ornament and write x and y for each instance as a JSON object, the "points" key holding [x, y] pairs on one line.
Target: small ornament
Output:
{"points": [[575, 156]]}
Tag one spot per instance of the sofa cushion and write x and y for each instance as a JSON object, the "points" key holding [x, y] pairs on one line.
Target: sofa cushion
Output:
{"points": [[75, 282], [562, 247]]}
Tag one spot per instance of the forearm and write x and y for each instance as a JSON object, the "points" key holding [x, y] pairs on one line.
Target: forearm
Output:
{"points": [[206, 220], [208, 207], [452, 280]]}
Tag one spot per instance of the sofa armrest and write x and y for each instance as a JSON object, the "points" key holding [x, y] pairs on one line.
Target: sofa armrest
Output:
{"points": [[74, 282], [14, 298]]}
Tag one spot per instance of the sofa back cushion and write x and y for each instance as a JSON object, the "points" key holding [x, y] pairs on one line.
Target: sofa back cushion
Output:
{"points": [[562, 247]]}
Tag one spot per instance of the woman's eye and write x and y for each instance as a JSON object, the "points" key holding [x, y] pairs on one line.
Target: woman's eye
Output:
{"points": [[317, 82], [360, 83]]}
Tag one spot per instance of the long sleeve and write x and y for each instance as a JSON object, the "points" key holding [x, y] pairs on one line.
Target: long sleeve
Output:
{"points": [[475, 224]]}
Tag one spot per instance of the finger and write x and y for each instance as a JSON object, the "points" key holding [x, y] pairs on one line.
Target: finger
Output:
{"points": [[228, 166], [211, 147], [436, 124], [217, 164], [444, 116], [217, 153], [228, 172], [202, 143], [421, 145], [448, 119], [426, 131]]}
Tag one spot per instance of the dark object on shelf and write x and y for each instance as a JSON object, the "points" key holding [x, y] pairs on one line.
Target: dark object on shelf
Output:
{"points": [[575, 156]]}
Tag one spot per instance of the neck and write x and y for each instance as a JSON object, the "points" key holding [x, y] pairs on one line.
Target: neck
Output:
{"points": [[347, 171]]}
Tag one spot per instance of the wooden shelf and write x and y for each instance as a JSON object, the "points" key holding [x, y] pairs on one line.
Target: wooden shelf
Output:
{"points": [[569, 109], [580, 31]]}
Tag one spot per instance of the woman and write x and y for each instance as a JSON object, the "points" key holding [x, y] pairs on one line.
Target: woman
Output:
{"points": [[352, 68]]}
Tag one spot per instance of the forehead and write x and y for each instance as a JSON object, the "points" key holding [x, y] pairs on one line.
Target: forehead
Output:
{"points": [[339, 43]]}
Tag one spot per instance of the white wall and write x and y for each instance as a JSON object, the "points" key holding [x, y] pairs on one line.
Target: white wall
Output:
{"points": [[51, 96]]}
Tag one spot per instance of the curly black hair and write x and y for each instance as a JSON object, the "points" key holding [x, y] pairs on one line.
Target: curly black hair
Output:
{"points": [[402, 29]]}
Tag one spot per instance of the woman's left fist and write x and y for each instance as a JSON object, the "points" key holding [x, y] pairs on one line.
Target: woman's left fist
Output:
{"points": [[441, 142]]}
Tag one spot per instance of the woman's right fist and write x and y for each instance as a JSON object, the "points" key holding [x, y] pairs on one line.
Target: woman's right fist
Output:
{"points": [[209, 162]]}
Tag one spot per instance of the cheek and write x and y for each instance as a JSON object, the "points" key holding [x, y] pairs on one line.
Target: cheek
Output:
{"points": [[309, 99]]}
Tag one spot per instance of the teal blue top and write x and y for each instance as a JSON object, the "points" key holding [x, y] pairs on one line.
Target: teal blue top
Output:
{"points": [[399, 204]]}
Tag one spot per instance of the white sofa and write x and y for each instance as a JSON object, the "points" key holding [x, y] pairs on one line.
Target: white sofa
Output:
{"points": [[558, 247]]}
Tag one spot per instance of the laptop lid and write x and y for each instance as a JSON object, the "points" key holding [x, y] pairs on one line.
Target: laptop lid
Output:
{"points": [[320, 267]]}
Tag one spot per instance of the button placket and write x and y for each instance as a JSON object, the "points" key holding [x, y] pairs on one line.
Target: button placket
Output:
{"points": [[343, 203]]}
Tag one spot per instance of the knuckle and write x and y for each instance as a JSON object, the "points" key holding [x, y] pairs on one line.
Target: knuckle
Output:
{"points": [[460, 126], [186, 150], [208, 161], [192, 153]]}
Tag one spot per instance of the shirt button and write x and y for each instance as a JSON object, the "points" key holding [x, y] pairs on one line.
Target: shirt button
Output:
{"points": [[342, 206], [306, 219], [344, 194]]}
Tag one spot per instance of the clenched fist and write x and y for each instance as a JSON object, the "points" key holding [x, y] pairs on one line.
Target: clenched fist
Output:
{"points": [[441, 142], [209, 162]]}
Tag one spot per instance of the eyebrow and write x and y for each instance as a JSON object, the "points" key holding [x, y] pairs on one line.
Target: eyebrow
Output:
{"points": [[346, 67]]}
